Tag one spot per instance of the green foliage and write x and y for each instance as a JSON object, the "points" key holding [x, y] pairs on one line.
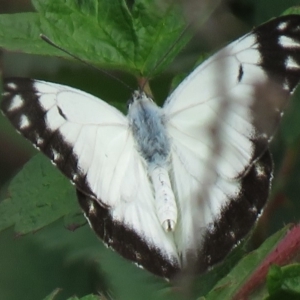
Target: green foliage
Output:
{"points": [[37, 196], [89, 297], [101, 32], [52, 295], [283, 282], [229, 286], [129, 282]]}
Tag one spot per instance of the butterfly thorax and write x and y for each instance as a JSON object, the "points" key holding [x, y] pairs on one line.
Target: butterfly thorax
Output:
{"points": [[147, 125], [152, 141]]}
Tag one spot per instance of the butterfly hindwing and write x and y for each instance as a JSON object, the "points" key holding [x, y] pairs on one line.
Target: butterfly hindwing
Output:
{"points": [[237, 215], [127, 242]]}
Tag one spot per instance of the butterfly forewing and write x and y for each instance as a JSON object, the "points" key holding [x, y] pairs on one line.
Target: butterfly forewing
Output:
{"points": [[90, 142], [255, 74], [52, 117]]}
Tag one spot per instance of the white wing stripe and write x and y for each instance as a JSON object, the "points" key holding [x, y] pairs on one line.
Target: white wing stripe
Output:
{"points": [[47, 101], [16, 103], [53, 119], [290, 63], [248, 56], [85, 147], [288, 42]]}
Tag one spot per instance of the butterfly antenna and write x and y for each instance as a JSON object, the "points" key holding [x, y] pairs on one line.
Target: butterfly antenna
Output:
{"points": [[145, 82], [193, 21], [47, 40]]}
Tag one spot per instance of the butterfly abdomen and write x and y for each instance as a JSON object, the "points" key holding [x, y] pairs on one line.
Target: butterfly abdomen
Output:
{"points": [[153, 143], [166, 208]]}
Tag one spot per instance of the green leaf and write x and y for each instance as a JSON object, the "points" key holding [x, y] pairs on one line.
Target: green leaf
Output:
{"points": [[292, 10], [52, 295], [88, 297], [204, 283], [92, 297], [227, 287], [121, 273], [74, 220], [284, 280], [274, 279], [37, 196], [20, 32], [106, 33]]}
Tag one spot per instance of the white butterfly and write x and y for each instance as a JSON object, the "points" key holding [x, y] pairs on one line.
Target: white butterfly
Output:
{"points": [[179, 185]]}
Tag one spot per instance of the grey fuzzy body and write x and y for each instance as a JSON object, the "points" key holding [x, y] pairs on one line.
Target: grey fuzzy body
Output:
{"points": [[148, 129]]}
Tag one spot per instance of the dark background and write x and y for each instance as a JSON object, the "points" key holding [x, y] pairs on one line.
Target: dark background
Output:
{"points": [[32, 266]]}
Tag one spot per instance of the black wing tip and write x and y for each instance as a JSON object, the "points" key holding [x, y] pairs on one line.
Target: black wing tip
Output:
{"points": [[17, 85], [292, 19], [279, 46], [13, 87]]}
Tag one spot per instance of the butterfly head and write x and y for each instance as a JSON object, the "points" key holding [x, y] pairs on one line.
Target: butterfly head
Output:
{"points": [[138, 100], [139, 96]]}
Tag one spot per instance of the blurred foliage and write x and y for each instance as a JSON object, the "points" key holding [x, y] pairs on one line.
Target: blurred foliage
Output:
{"points": [[106, 33], [35, 265], [283, 282]]}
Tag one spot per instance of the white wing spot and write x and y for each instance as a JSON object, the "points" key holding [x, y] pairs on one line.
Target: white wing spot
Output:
{"points": [[264, 135], [260, 172], [287, 42], [232, 234], [282, 26], [24, 122], [36, 146], [16, 103], [75, 177], [92, 208], [253, 209], [56, 155], [39, 140], [290, 63], [12, 86], [286, 86]]}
